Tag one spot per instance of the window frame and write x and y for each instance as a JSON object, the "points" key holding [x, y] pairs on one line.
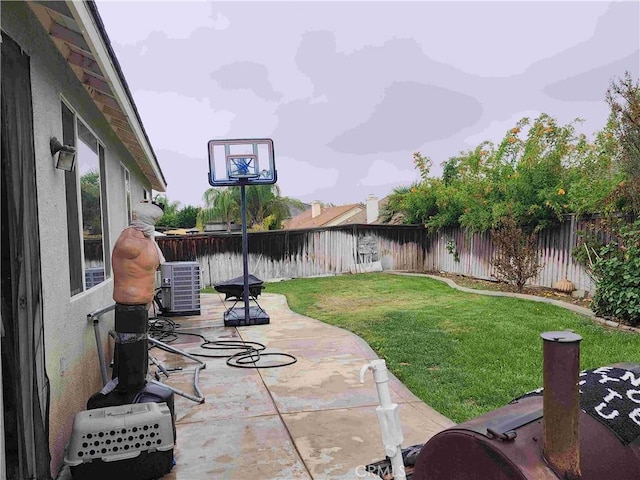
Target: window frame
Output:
{"points": [[128, 199], [75, 240]]}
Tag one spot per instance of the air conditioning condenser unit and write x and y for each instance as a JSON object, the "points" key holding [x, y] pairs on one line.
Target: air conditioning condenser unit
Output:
{"points": [[180, 288]]}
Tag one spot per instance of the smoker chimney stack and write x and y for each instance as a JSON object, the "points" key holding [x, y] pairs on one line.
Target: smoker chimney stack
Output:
{"points": [[561, 403]]}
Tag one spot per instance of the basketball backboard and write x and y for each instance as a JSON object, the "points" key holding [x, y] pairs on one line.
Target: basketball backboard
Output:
{"points": [[241, 161]]}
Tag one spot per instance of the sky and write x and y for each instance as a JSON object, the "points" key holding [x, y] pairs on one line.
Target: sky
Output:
{"points": [[348, 91]]}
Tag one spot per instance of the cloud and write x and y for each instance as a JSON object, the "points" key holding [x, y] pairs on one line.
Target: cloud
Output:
{"points": [[176, 20], [496, 130], [187, 177], [385, 173], [338, 94], [185, 124], [302, 179], [246, 75], [409, 115], [589, 86], [613, 44], [220, 22], [502, 38]]}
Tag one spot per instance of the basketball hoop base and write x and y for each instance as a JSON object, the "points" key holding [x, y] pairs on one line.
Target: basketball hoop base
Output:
{"points": [[235, 317]]}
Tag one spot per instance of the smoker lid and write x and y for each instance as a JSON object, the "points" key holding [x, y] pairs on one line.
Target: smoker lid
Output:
{"points": [[561, 337], [611, 395], [499, 423]]}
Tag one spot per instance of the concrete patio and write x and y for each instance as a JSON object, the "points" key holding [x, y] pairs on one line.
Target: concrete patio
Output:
{"points": [[310, 420]]}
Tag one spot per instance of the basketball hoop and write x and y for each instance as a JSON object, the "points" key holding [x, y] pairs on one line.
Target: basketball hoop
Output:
{"points": [[242, 167], [241, 178], [242, 163], [235, 162]]}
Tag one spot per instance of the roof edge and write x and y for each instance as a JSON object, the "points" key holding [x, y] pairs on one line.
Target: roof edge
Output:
{"points": [[86, 13]]}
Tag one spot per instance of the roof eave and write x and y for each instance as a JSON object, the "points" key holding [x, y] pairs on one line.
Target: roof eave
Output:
{"points": [[86, 13], [89, 54]]}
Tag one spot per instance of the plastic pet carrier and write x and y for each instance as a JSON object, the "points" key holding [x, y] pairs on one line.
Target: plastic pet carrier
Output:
{"points": [[125, 442]]}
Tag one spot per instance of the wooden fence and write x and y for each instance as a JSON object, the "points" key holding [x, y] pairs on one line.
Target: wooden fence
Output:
{"points": [[335, 250], [301, 253], [475, 255]]}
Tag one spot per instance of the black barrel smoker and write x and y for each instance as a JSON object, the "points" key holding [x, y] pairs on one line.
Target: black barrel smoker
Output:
{"points": [[579, 426]]}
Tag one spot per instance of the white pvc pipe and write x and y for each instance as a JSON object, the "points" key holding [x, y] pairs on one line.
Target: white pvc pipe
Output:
{"points": [[388, 417]]}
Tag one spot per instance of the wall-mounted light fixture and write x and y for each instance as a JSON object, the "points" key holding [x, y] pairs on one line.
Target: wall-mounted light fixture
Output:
{"points": [[66, 154]]}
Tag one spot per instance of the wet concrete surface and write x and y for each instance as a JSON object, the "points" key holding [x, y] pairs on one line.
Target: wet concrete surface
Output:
{"points": [[310, 420]]}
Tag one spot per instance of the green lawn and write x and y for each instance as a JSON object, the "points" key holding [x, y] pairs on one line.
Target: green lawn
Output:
{"points": [[461, 353]]}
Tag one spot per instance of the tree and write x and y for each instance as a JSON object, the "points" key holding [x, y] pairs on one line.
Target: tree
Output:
{"points": [[535, 174], [90, 195], [170, 211], [623, 97], [414, 204], [594, 174], [395, 206], [221, 204], [266, 208], [615, 266], [187, 216]]}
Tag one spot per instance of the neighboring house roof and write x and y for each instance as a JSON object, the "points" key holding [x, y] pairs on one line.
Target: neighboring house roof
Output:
{"points": [[77, 31], [361, 217], [295, 211], [328, 217]]}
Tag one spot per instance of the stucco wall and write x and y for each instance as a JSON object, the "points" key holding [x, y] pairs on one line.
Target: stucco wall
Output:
{"points": [[71, 359]]}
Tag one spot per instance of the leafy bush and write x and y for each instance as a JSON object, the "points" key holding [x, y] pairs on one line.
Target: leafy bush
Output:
{"points": [[586, 251], [617, 271], [540, 171], [516, 260]]}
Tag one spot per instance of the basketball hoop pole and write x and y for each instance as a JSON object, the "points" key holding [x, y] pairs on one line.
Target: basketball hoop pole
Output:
{"points": [[245, 250]]}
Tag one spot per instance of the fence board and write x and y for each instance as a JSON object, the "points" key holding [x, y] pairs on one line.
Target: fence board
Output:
{"points": [[555, 248], [300, 253], [335, 250]]}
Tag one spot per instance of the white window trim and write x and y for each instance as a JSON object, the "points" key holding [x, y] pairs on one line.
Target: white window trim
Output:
{"points": [[105, 248], [127, 193]]}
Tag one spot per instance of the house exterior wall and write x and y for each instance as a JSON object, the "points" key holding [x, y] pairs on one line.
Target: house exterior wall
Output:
{"points": [[71, 353]]}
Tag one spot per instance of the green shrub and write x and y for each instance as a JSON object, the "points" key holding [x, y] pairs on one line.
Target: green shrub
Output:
{"points": [[617, 271]]}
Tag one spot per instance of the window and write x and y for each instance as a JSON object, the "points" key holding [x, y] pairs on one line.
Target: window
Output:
{"points": [[126, 183], [87, 233]]}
